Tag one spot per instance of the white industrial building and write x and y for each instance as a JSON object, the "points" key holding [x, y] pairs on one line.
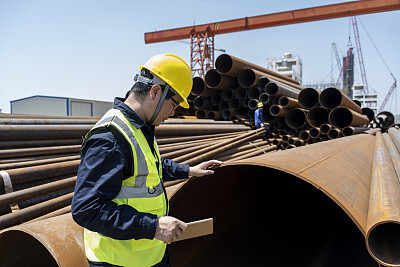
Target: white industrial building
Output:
{"points": [[367, 99], [59, 106], [288, 65]]}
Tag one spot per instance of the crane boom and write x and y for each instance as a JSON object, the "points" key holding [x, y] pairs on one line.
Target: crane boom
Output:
{"points": [[336, 55], [347, 9], [394, 85], [359, 53]]}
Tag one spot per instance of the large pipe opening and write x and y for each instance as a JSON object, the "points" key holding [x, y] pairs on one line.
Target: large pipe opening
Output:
{"points": [[265, 217], [30, 251], [223, 63], [384, 242]]}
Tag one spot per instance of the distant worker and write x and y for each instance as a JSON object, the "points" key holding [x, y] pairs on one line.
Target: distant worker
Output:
{"points": [[258, 116], [120, 199]]}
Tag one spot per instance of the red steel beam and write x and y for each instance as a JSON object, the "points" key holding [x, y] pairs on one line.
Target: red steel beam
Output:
{"points": [[347, 9]]}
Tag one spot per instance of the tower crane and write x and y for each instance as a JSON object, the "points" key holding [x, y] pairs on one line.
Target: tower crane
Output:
{"points": [[359, 53], [392, 88], [339, 64], [202, 36]]}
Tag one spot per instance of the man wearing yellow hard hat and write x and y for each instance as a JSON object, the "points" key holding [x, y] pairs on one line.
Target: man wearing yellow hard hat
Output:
{"points": [[119, 195], [258, 117]]}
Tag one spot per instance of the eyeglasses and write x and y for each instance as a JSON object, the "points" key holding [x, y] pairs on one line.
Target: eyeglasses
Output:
{"points": [[176, 103]]}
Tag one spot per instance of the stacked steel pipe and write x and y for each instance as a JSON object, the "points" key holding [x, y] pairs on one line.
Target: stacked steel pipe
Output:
{"points": [[39, 157], [339, 197], [296, 116]]}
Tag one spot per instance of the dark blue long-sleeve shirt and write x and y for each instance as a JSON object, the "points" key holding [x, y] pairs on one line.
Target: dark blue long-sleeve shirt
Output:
{"points": [[106, 161]]}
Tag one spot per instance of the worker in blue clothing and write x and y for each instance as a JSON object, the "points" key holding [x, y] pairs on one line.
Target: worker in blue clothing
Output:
{"points": [[258, 117], [120, 199]]}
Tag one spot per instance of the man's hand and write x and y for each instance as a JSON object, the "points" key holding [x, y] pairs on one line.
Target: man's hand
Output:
{"points": [[204, 168], [169, 228]]}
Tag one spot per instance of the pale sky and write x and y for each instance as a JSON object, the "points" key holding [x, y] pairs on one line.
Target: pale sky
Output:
{"points": [[91, 49]]}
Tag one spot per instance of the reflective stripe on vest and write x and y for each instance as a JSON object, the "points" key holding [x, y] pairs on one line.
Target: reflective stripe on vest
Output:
{"points": [[143, 191]]}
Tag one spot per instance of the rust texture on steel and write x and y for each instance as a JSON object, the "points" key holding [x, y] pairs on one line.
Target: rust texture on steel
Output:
{"points": [[315, 198]]}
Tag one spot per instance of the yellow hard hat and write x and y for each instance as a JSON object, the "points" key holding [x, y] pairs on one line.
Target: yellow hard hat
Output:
{"points": [[259, 104], [175, 72]]}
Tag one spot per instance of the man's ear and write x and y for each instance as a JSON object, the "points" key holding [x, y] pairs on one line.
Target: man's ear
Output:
{"points": [[155, 91]]}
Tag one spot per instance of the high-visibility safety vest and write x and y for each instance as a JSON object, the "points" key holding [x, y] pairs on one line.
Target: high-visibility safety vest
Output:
{"points": [[143, 191]]}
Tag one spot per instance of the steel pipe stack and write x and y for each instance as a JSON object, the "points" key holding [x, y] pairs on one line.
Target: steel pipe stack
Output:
{"points": [[235, 87], [40, 156], [348, 184]]}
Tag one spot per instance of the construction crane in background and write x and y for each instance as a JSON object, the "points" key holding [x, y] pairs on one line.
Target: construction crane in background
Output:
{"points": [[391, 90], [202, 36], [338, 62], [359, 53]]}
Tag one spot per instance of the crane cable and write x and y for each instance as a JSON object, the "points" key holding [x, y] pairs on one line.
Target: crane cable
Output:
{"points": [[384, 62]]}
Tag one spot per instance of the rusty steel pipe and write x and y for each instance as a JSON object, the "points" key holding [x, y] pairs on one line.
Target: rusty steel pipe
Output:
{"points": [[38, 143], [293, 140], [278, 111], [239, 154], [55, 213], [45, 121], [314, 132], [383, 235], [317, 116], [296, 118], [215, 80], [176, 146], [264, 98], [227, 94], [24, 194], [215, 99], [214, 115], [242, 147], [34, 116], [349, 130], [341, 117], [42, 132], [275, 89], [256, 152], [208, 152], [44, 243], [19, 176], [334, 133], [240, 92], [309, 178], [194, 121], [188, 130], [308, 98], [231, 66], [395, 136], [248, 77], [325, 128], [228, 113], [331, 98], [393, 152], [26, 159], [252, 104], [288, 102], [369, 113], [34, 211], [26, 152], [200, 114], [25, 163], [201, 102], [304, 135], [172, 140], [179, 152], [200, 89], [253, 92], [235, 103]]}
